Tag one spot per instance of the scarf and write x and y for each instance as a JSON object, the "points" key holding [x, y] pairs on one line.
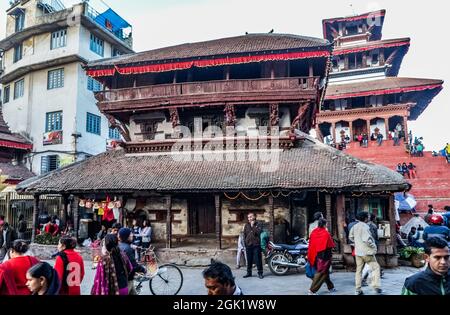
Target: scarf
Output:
{"points": [[105, 281], [319, 241]]}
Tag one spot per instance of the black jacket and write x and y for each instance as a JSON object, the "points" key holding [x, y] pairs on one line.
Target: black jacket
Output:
{"points": [[252, 235], [427, 283], [126, 248], [11, 236]]}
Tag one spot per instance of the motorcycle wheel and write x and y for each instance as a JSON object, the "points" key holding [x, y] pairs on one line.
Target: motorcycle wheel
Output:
{"points": [[276, 269]]}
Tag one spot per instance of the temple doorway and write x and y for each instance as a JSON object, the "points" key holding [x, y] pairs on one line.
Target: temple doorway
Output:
{"points": [[202, 216]]}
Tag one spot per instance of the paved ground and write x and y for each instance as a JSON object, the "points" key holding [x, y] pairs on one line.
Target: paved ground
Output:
{"points": [[292, 284]]}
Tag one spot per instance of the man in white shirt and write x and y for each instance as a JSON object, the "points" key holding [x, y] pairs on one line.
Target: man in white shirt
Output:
{"points": [[365, 251], [219, 280]]}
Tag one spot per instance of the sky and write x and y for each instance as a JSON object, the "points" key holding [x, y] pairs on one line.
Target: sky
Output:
{"points": [[160, 23]]}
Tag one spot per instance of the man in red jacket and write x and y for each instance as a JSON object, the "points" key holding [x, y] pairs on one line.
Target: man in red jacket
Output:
{"points": [[70, 267]]}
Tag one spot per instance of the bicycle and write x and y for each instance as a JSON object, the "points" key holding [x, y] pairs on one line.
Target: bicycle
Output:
{"points": [[166, 279]]}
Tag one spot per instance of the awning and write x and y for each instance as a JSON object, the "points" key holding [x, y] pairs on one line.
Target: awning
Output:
{"points": [[116, 22], [16, 145], [405, 202], [163, 67]]}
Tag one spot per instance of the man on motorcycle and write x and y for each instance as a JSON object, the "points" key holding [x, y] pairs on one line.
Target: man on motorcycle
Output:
{"points": [[437, 229]]}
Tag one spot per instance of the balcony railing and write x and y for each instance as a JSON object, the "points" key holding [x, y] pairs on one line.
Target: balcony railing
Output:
{"points": [[294, 85]]}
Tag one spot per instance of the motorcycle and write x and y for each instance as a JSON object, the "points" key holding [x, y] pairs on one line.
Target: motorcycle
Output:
{"points": [[282, 257]]}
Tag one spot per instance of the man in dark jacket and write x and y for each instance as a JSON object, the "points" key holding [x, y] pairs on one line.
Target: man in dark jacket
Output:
{"points": [[435, 280], [125, 240], [252, 239], [7, 237]]}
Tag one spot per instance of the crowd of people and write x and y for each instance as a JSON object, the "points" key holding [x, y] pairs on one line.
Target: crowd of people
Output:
{"points": [[23, 274], [407, 170]]}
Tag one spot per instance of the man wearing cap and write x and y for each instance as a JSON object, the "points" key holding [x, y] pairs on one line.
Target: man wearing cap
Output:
{"points": [[125, 240]]}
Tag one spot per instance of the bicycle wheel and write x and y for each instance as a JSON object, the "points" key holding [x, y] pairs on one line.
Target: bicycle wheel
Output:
{"points": [[168, 281]]}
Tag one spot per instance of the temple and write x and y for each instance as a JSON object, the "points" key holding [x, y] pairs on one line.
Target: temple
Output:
{"points": [[365, 96], [213, 131]]}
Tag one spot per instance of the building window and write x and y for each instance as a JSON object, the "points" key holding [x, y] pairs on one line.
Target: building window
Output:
{"points": [[20, 21], [6, 93], [97, 45], [93, 124], [49, 163], [114, 133], [116, 52], [59, 39], [93, 85], [55, 79], [19, 89], [53, 121], [18, 50]]}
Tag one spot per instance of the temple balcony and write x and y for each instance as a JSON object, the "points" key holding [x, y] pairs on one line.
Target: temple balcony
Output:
{"points": [[252, 91], [214, 145]]}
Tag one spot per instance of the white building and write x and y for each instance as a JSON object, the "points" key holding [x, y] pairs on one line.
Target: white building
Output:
{"points": [[46, 93]]}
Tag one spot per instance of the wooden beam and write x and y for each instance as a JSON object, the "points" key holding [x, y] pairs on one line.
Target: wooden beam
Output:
{"points": [[75, 213], [169, 222], [271, 217], [340, 221], [35, 217], [329, 215], [393, 223], [218, 221]]}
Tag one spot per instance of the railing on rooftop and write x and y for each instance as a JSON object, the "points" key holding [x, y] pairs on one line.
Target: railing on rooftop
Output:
{"points": [[123, 33]]}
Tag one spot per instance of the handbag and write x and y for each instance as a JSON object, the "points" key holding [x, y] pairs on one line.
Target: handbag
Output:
{"points": [[310, 270]]}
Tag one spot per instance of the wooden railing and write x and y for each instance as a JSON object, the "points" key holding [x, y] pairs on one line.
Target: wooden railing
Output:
{"points": [[211, 87], [214, 144]]}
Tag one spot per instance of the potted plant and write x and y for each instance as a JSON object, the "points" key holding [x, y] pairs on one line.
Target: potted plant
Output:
{"points": [[415, 254]]}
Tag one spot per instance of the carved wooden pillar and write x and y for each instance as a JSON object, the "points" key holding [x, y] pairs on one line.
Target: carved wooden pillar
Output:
{"points": [[333, 130], [272, 70], [218, 220], [271, 217], [393, 223], [230, 115], [169, 222], [274, 117], [329, 214], [368, 127], [74, 209], [65, 215], [405, 128], [340, 220], [227, 72], [382, 57], [311, 68], [364, 60], [175, 77], [175, 120], [386, 124], [350, 127], [35, 217]]}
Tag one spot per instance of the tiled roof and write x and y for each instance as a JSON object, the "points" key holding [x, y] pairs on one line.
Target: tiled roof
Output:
{"points": [[15, 171], [391, 83], [251, 43], [311, 166]]}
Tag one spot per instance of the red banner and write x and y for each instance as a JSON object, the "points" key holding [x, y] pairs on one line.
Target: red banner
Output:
{"points": [[16, 145], [206, 63], [384, 91], [338, 52]]}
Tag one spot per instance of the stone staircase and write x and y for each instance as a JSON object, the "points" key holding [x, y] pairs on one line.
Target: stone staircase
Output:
{"points": [[432, 185]]}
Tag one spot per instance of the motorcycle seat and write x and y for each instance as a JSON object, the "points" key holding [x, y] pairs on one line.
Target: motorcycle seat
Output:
{"points": [[288, 247]]}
